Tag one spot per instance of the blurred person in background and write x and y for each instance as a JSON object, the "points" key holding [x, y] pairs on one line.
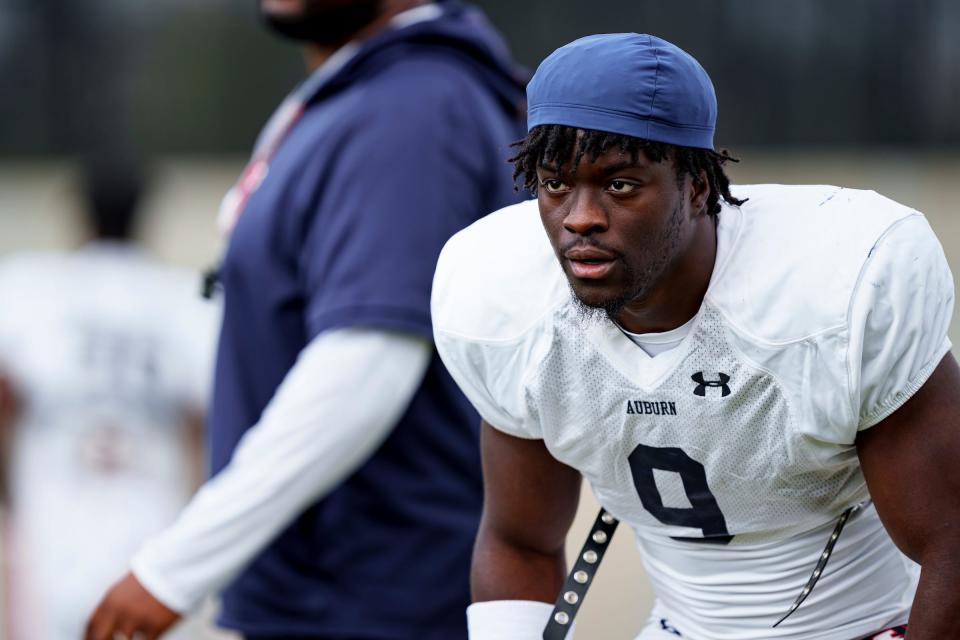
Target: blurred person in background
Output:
{"points": [[347, 489], [105, 357]]}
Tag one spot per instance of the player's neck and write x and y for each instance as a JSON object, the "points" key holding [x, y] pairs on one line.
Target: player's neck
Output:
{"points": [[316, 53], [680, 294]]}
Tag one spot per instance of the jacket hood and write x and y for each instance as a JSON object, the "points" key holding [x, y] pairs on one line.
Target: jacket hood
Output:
{"points": [[461, 31]]}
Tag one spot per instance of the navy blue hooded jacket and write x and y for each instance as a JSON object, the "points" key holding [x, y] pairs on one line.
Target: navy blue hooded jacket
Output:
{"points": [[402, 147]]}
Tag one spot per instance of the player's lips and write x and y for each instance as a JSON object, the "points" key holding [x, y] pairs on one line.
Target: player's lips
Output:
{"points": [[589, 263]]}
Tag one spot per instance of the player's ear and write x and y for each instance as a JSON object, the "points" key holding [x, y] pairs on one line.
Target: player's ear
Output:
{"points": [[699, 191]]}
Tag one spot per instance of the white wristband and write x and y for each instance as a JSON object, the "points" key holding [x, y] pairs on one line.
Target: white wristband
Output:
{"points": [[509, 620]]}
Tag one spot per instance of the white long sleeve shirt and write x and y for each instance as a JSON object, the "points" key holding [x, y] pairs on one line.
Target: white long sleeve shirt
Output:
{"points": [[317, 429]]}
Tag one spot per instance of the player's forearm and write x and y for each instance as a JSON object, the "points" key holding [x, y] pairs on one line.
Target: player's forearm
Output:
{"points": [[514, 587], [319, 427], [936, 607], [9, 403], [9, 409], [504, 570]]}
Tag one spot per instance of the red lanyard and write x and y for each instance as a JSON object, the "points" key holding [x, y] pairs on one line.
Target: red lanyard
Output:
{"points": [[259, 165], [250, 179]]}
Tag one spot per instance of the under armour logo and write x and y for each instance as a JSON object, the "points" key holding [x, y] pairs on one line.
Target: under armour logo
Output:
{"points": [[702, 384]]}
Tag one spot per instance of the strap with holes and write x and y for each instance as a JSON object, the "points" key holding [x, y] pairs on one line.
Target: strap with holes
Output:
{"points": [[581, 576], [821, 562]]}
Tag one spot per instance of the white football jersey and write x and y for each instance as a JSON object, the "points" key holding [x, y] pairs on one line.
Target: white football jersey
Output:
{"points": [[108, 351], [732, 455]]}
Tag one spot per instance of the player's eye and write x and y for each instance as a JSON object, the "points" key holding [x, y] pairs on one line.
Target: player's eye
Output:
{"points": [[553, 185], [621, 187]]}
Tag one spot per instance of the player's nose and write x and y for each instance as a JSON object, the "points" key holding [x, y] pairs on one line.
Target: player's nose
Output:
{"points": [[585, 215]]}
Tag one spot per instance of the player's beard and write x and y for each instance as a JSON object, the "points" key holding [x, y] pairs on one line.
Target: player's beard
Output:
{"points": [[639, 283], [324, 24]]}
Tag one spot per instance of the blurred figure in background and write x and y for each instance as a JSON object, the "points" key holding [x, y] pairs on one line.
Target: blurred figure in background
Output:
{"points": [[105, 357], [347, 490]]}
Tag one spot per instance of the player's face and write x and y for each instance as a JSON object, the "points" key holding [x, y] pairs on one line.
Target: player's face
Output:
{"points": [[619, 228], [322, 21]]}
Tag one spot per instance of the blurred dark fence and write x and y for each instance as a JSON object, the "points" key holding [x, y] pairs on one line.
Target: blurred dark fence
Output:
{"points": [[182, 76]]}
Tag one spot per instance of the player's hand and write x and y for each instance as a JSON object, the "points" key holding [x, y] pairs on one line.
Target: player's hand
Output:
{"points": [[128, 611]]}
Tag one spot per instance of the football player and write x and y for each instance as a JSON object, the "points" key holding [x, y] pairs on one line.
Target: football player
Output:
{"points": [[756, 379], [105, 356]]}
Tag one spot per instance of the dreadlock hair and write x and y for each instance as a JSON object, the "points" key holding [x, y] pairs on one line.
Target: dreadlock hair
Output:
{"points": [[555, 144]]}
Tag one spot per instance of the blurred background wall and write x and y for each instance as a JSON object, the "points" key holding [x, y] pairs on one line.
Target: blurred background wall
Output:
{"points": [[863, 93], [199, 77]]}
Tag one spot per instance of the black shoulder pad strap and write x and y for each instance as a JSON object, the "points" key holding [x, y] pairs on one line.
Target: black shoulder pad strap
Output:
{"points": [[581, 577]]}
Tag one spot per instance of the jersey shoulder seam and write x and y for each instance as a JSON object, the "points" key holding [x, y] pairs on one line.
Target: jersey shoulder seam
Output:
{"points": [[765, 341], [517, 337]]}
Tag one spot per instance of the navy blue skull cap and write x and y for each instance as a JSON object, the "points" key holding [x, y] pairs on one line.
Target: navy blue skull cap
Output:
{"points": [[628, 83]]}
